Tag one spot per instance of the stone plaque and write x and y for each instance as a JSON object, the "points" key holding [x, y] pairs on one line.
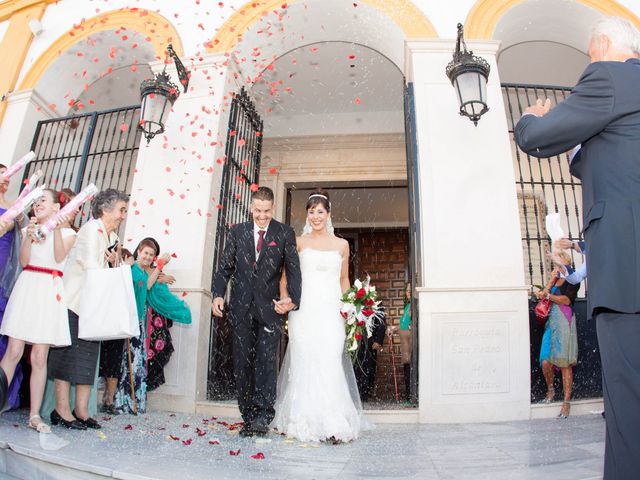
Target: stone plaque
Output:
{"points": [[475, 357]]}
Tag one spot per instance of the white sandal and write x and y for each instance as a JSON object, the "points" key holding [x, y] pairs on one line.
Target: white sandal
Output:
{"points": [[40, 426]]}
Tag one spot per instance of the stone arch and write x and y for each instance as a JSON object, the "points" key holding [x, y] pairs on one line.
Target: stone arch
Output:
{"points": [[160, 32], [409, 18], [484, 16]]}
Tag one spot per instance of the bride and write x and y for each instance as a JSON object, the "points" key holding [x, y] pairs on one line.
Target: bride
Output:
{"points": [[317, 394]]}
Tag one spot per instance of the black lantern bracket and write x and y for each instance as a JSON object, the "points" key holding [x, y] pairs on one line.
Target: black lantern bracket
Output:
{"points": [[152, 121], [465, 62]]}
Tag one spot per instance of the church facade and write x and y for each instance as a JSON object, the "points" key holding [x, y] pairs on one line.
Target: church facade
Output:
{"points": [[348, 95]]}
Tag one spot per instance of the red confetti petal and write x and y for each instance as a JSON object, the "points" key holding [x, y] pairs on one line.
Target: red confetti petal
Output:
{"points": [[128, 427], [214, 442], [358, 101], [254, 187], [234, 453], [187, 441], [173, 437], [174, 255], [167, 221], [258, 456], [272, 170], [58, 297], [123, 127]]}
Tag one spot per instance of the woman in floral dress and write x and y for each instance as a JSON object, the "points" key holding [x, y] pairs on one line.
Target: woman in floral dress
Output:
{"points": [[156, 304]]}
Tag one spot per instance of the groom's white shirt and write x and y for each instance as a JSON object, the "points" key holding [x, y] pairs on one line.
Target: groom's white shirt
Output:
{"points": [[256, 236]]}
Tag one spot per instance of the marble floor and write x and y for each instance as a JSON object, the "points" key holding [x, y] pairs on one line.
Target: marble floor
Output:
{"points": [[162, 445]]}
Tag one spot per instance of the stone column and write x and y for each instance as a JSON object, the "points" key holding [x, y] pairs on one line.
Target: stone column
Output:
{"points": [[174, 199], [473, 315], [24, 110]]}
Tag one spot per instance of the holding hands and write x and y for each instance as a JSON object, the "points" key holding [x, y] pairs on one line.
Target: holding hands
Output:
{"points": [[284, 305]]}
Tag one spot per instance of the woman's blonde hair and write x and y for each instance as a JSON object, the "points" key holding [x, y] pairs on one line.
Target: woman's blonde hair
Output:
{"points": [[565, 257]]}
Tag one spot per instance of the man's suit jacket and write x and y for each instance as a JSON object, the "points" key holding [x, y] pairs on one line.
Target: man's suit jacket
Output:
{"points": [[258, 281], [603, 114]]}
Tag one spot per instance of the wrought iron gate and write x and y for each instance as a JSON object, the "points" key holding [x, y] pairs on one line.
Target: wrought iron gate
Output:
{"points": [[415, 255], [98, 147], [544, 185], [241, 171]]}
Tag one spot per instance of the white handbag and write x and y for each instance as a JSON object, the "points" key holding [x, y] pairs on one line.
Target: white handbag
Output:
{"points": [[108, 305]]}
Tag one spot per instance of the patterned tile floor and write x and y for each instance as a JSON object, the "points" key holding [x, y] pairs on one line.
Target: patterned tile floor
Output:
{"points": [[161, 445]]}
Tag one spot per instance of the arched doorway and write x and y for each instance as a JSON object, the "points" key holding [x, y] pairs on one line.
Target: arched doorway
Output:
{"points": [[85, 92], [332, 98]]}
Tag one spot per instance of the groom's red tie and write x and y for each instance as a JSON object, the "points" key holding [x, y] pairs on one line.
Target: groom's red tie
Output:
{"points": [[260, 240]]}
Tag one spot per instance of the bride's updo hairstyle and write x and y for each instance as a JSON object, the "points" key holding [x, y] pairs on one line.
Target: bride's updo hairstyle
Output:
{"points": [[319, 197]]}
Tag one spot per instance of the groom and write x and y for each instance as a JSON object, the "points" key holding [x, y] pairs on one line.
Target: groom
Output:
{"points": [[254, 256]]}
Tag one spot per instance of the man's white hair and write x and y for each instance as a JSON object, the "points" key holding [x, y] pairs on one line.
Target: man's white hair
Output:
{"points": [[621, 32]]}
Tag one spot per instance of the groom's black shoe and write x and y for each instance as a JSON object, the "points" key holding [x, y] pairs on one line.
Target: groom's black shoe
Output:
{"points": [[4, 391], [260, 430], [246, 431]]}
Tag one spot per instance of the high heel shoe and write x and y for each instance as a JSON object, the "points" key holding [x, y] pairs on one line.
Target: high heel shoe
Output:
{"points": [[564, 411], [87, 422], [549, 397], [71, 425]]}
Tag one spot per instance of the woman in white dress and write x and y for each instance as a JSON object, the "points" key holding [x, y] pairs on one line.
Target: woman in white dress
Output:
{"points": [[37, 312], [317, 393]]}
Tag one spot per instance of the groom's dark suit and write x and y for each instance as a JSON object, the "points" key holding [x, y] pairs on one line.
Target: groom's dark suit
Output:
{"points": [[255, 283], [603, 115]]}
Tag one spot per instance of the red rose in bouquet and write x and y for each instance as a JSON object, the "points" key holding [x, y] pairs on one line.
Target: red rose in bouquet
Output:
{"points": [[367, 312], [361, 293]]}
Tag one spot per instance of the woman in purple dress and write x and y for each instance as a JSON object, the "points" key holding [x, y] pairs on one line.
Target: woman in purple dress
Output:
{"points": [[8, 267]]}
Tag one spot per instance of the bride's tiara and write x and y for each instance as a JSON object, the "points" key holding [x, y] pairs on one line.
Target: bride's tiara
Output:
{"points": [[319, 195]]}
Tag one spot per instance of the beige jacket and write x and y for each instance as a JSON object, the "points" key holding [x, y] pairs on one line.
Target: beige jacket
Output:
{"points": [[88, 252]]}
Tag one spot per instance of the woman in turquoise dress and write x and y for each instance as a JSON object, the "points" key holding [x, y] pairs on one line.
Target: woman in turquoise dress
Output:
{"points": [[559, 347], [153, 299]]}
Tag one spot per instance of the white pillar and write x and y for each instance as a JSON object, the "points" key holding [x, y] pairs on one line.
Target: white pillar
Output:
{"points": [[174, 199], [24, 110], [473, 314]]}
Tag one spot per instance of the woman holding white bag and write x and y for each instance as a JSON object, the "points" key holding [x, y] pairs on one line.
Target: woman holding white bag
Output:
{"points": [[95, 248]]}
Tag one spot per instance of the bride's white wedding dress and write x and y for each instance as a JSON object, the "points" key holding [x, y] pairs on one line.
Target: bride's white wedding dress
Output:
{"points": [[317, 393]]}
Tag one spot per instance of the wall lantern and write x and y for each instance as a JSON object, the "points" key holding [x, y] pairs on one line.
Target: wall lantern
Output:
{"points": [[157, 96], [469, 75]]}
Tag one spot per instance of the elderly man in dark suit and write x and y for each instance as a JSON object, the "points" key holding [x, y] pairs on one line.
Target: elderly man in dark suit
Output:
{"points": [[602, 115], [255, 254]]}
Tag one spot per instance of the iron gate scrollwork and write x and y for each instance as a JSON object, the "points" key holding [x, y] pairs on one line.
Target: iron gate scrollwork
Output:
{"points": [[241, 171], [97, 147], [543, 185]]}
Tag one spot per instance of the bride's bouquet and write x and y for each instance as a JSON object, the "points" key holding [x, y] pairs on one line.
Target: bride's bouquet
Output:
{"points": [[359, 307]]}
